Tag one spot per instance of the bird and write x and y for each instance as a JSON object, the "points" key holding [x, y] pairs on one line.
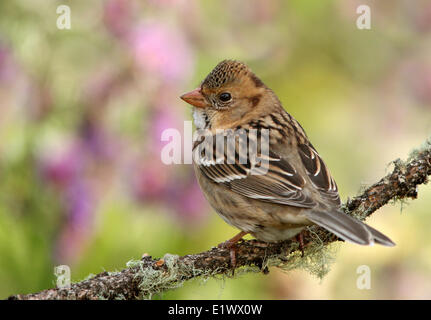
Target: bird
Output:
{"points": [[276, 201]]}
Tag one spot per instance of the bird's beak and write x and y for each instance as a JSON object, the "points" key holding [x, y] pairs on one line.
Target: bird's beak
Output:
{"points": [[195, 98]]}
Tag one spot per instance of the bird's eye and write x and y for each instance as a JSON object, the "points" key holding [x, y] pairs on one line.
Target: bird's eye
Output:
{"points": [[225, 96]]}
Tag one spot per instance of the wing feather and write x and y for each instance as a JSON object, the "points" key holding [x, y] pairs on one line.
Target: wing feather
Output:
{"points": [[318, 173], [280, 183]]}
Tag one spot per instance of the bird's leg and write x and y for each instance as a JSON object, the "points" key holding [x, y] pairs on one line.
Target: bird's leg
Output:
{"points": [[300, 239], [231, 245]]}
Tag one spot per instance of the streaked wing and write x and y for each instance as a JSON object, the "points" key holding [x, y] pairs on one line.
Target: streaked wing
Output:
{"points": [[281, 183], [318, 173]]}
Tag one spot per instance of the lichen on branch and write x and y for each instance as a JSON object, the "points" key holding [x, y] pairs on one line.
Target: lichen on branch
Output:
{"points": [[146, 277]]}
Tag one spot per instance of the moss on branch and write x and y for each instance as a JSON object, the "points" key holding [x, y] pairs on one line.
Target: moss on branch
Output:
{"points": [[146, 277]]}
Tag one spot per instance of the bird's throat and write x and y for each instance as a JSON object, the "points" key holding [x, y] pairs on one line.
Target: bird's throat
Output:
{"points": [[200, 118]]}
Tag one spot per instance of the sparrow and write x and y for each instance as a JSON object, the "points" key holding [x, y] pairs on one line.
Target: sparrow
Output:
{"points": [[293, 190]]}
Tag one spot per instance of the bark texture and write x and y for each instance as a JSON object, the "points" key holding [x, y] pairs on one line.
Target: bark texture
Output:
{"points": [[149, 276]]}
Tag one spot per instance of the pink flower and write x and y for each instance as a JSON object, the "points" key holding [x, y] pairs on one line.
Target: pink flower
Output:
{"points": [[151, 181], [163, 117], [96, 141], [161, 52], [80, 205], [118, 16], [188, 201], [63, 167]]}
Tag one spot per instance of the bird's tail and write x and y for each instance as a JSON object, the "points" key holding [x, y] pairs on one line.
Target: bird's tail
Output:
{"points": [[348, 228]]}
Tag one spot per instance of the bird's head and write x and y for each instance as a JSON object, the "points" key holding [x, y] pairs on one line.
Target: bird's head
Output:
{"points": [[229, 92]]}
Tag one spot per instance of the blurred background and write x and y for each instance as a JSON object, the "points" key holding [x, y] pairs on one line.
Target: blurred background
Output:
{"points": [[82, 111]]}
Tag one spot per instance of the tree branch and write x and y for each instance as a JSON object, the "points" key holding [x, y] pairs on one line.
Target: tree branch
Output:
{"points": [[148, 276]]}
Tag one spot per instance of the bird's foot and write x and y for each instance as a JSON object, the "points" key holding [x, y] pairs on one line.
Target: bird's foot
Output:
{"points": [[231, 245], [300, 239]]}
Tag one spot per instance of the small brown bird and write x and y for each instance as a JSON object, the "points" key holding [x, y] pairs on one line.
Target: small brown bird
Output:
{"points": [[295, 189]]}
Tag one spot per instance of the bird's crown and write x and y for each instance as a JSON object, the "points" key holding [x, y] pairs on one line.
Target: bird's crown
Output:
{"points": [[228, 71]]}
